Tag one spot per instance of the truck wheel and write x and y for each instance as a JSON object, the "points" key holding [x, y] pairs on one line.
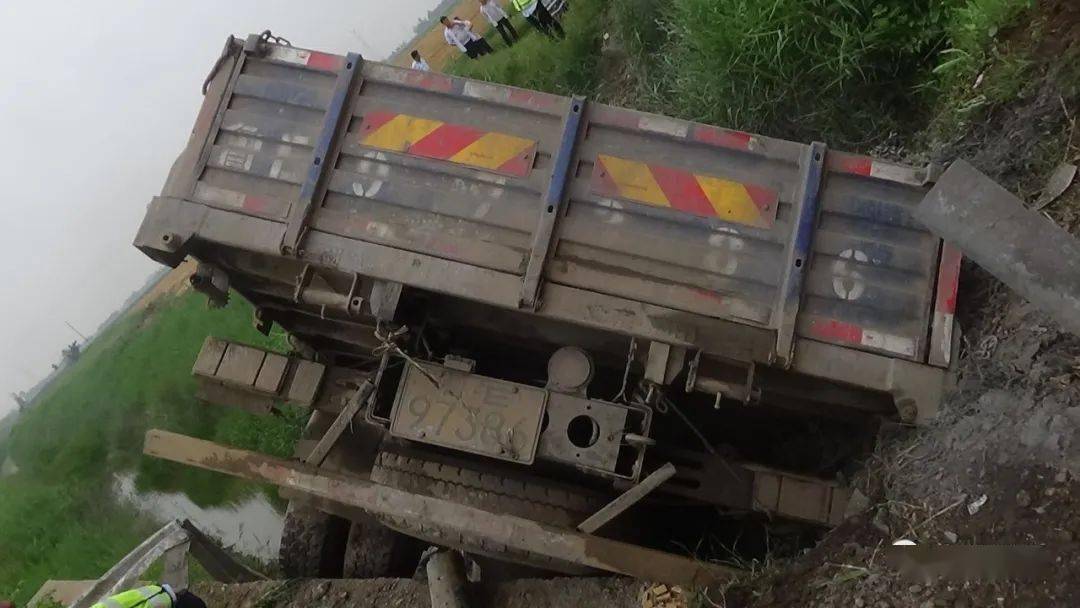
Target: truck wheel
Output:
{"points": [[312, 543], [527, 498], [375, 551]]}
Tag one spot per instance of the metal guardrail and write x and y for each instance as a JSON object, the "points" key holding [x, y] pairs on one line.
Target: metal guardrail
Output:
{"points": [[172, 544]]}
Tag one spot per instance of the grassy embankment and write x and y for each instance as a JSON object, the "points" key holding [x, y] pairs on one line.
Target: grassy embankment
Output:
{"points": [[57, 515], [854, 73]]}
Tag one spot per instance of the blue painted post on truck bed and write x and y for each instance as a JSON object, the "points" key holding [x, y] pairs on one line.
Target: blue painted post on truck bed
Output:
{"points": [[319, 165], [802, 239], [552, 201]]}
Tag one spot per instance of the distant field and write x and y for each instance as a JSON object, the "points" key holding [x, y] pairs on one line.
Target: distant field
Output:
{"points": [[432, 45], [173, 283], [441, 56]]}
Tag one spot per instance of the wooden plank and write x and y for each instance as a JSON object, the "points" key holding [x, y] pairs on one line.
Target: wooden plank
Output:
{"points": [[272, 373], [241, 364], [627, 499], [515, 532], [344, 419], [305, 383], [209, 358]]}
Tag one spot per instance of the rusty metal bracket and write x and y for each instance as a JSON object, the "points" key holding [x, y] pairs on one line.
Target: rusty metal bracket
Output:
{"points": [[553, 202], [354, 300], [334, 123], [212, 282], [798, 254]]}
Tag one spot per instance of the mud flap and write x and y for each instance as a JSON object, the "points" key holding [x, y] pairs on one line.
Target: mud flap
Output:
{"points": [[1020, 247]]}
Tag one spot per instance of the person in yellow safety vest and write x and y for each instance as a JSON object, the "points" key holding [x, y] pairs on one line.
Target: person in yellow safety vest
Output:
{"points": [[540, 17], [152, 596]]}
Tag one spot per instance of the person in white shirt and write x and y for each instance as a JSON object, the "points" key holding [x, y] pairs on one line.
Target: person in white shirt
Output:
{"points": [[500, 20], [459, 33], [418, 62]]}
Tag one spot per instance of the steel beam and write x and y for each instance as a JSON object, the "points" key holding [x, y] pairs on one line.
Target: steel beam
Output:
{"points": [[1029, 253], [514, 532]]}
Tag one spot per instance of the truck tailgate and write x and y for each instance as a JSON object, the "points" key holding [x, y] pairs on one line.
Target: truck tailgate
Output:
{"points": [[788, 238]]}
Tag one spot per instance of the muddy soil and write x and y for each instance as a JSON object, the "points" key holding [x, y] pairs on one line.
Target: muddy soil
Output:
{"points": [[408, 593], [1001, 464], [1000, 467]]}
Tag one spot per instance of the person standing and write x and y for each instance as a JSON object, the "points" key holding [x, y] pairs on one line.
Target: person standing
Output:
{"points": [[418, 62], [459, 33], [540, 17], [499, 20]]}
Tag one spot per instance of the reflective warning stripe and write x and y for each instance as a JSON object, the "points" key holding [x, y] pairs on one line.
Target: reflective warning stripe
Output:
{"points": [[220, 197], [311, 59], [878, 169], [840, 331], [497, 152], [948, 282], [701, 195]]}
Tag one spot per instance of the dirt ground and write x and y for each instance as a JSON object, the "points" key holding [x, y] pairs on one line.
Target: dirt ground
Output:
{"points": [[1001, 465], [407, 593]]}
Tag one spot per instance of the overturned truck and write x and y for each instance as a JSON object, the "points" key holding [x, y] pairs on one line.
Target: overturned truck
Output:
{"points": [[525, 304]]}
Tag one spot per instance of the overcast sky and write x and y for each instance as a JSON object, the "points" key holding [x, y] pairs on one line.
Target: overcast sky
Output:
{"points": [[98, 99]]}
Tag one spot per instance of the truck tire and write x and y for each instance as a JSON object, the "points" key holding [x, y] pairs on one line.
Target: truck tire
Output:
{"points": [[375, 551], [312, 543], [527, 498]]}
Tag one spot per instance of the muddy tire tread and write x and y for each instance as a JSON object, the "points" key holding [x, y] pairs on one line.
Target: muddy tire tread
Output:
{"points": [[311, 546], [490, 491]]}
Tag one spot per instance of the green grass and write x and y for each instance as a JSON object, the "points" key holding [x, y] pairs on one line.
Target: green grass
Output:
{"points": [[57, 517], [979, 70], [849, 72], [6, 424]]}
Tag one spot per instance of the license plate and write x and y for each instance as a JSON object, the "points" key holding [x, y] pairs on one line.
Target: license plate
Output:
{"points": [[454, 409]]}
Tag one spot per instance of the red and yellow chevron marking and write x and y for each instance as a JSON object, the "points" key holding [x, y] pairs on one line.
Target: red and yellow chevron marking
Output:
{"points": [[439, 140], [701, 195]]}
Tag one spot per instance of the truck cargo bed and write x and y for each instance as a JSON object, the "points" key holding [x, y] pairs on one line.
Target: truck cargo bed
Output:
{"points": [[741, 247]]}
